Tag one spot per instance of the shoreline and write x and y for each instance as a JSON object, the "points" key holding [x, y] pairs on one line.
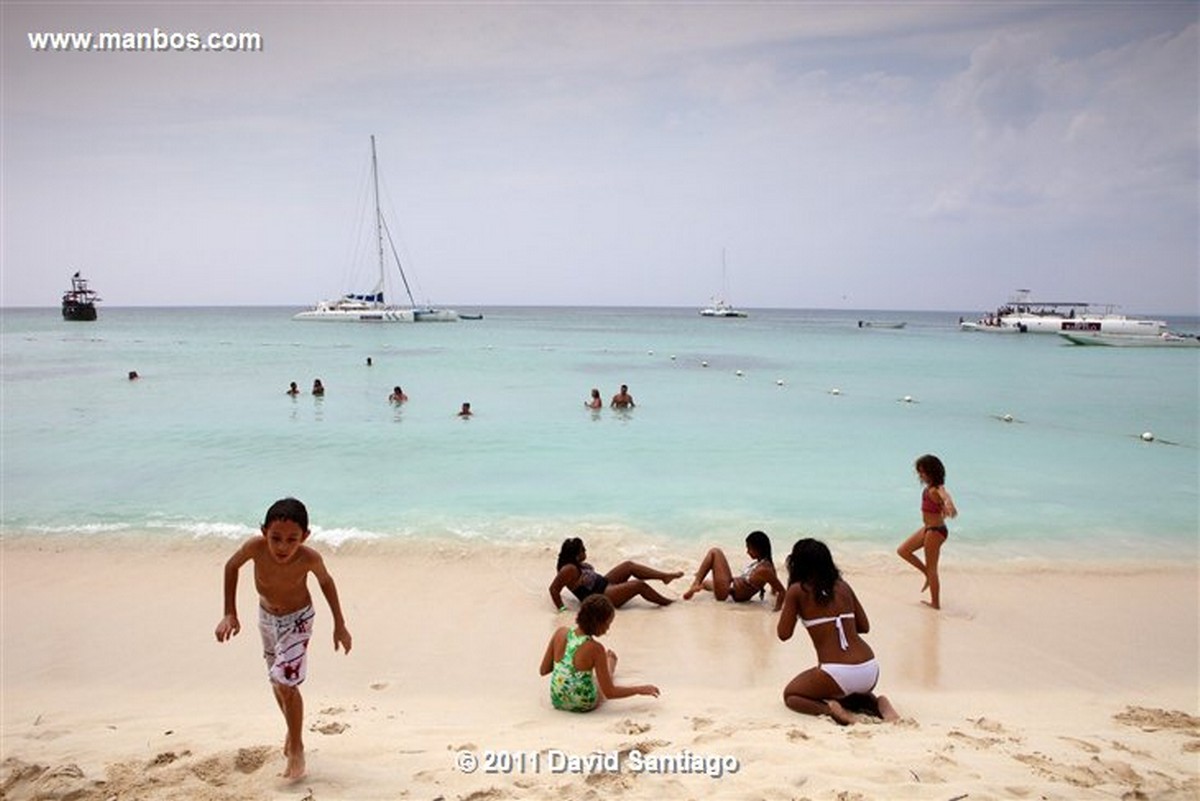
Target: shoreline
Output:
{"points": [[861, 554], [1060, 684]]}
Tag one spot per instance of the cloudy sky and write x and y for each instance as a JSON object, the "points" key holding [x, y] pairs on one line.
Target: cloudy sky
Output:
{"points": [[887, 155]]}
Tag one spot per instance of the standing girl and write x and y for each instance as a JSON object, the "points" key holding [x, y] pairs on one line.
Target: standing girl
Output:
{"points": [[936, 506]]}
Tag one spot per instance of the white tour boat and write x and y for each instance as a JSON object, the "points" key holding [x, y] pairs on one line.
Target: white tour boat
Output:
{"points": [[1022, 315]]}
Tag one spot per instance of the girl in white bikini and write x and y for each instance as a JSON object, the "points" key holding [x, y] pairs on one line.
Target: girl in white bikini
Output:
{"points": [[846, 671]]}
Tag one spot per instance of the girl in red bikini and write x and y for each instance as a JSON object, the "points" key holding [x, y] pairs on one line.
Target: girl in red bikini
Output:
{"points": [[936, 506]]}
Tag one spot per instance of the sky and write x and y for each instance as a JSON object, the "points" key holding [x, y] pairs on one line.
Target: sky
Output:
{"points": [[884, 155]]}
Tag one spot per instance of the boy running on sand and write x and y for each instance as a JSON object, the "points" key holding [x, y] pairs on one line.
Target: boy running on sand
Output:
{"points": [[282, 563]]}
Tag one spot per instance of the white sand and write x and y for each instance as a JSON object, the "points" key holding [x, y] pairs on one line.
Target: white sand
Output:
{"points": [[1054, 683]]}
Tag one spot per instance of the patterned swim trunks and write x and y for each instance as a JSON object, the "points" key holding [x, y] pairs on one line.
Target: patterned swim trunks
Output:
{"points": [[285, 644]]}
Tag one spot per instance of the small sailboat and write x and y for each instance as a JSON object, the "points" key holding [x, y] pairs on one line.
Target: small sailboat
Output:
{"points": [[79, 302], [371, 307], [719, 306]]}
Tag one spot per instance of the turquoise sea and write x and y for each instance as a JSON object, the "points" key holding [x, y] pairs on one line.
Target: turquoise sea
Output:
{"points": [[792, 421]]}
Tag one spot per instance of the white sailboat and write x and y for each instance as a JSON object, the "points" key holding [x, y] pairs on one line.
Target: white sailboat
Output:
{"points": [[371, 307], [719, 306]]}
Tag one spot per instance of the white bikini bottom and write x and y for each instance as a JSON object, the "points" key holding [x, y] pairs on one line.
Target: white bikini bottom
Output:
{"points": [[860, 678]]}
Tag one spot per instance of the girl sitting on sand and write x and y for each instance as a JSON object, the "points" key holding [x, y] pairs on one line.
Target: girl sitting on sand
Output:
{"points": [[580, 668], [846, 671], [623, 582], [752, 581]]}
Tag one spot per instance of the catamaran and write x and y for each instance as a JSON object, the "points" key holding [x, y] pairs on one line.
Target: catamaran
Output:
{"points": [[371, 307], [719, 307]]}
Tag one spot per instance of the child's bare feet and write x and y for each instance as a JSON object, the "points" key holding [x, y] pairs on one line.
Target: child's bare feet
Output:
{"points": [[295, 765], [839, 713], [673, 576], [691, 591]]}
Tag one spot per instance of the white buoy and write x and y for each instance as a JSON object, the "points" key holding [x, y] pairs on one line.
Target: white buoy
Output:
{"points": [[704, 364], [738, 373], [649, 353], [779, 382], [1147, 436], [1008, 418], [835, 391], [672, 357], [908, 399]]}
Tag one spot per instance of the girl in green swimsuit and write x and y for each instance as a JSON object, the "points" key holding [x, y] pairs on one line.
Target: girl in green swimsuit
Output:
{"points": [[580, 668]]}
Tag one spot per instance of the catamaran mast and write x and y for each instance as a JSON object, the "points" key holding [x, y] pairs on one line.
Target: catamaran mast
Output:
{"points": [[378, 217]]}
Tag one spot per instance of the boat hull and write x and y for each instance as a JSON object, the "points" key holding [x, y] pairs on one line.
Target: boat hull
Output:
{"points": [[1130, 340], [356, 316], [1042, 324], [79, 311], [435, 316]]}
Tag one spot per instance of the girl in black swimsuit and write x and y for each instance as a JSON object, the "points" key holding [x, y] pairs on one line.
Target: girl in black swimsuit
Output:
{"points": [[625, 581]]}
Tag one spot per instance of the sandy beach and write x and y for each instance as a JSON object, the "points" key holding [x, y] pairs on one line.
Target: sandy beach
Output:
{"points": [[1044, 682]]}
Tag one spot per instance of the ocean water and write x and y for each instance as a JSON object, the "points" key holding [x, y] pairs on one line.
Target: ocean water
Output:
{"points": [[737, 426]]}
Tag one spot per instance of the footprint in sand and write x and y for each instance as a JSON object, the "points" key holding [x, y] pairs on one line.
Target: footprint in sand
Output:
{"points": [[628, 726], [716, 735], [249, 760], [645, 746], [378, 685], [333, 727], [166, 758], [1091, 748], [987, 725], [1155, 719], [979, 743], [1074, 775], [701, 723]]}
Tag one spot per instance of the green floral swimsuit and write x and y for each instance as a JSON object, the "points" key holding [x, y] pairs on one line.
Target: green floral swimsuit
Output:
{"points": [[571, 689]]}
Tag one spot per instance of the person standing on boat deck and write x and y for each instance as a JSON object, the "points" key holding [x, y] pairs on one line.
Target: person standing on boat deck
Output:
{"points": [[318, 388], [622, 400], [936, 506], [594, 402]]}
